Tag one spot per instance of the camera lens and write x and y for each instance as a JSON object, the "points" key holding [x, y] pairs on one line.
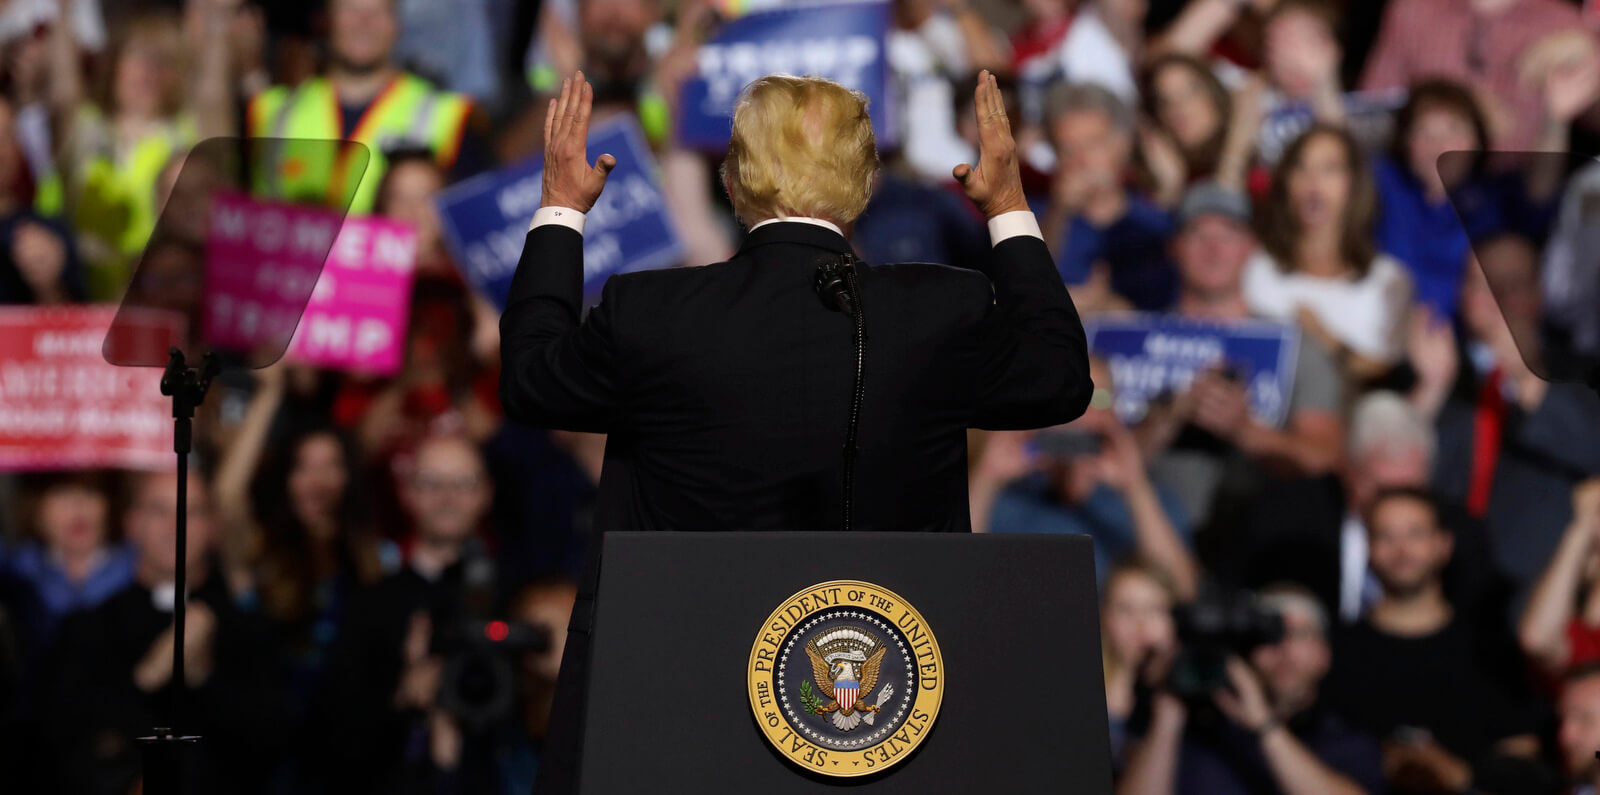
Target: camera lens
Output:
{"points": [[477, 687]]}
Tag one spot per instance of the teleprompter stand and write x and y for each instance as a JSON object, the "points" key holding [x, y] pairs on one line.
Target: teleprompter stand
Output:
{"points": [[222, 179], [164, 749]]}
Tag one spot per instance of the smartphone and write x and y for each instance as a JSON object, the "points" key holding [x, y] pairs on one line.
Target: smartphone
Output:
{"points": [[1410, 735], [1067, 443]]}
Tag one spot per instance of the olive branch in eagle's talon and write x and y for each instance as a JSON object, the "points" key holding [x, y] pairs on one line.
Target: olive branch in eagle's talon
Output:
{"points": [[809, 699]]}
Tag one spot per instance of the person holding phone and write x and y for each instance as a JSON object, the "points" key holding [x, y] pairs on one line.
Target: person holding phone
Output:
{"points": [[1086, 476]]}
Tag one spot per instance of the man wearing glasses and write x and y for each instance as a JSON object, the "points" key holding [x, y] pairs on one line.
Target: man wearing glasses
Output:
{"points": [[383, 675]]}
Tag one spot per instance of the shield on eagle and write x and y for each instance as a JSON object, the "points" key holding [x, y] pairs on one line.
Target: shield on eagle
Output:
{"points": [[845, 694]]}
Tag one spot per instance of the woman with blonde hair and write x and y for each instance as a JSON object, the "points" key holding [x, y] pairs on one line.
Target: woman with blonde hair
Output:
{"points": [[1137, 636], [113, 138]]}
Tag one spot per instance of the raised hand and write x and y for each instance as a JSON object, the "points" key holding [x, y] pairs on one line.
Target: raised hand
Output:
{"points": [[1564, 68], [1162, 155], [569, 180], [996, 184], [1571, 85], [1303, 56], [1431, 346]]}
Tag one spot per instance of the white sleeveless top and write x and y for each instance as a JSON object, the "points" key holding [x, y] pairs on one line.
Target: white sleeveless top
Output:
{"points": [[1367, 315]]}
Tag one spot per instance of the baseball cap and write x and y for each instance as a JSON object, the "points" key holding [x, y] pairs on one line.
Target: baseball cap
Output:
{"points": [[1213, 198]]}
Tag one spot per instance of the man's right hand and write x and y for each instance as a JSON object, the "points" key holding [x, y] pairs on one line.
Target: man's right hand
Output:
{"points": [[996, 184], [569, 180]]}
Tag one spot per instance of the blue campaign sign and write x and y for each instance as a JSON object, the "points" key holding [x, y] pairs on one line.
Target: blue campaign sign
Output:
{"points": [[486, 218], [843, 42], [1369, 115], [1151, 354]]}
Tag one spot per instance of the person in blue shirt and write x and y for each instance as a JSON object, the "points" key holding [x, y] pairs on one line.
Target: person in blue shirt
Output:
{"points": [[1430, 208], [1093, 219], [68, 562], [1087, 476]]}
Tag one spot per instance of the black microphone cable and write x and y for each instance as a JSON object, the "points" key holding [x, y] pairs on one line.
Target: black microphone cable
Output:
{"points": [[837, 284]]}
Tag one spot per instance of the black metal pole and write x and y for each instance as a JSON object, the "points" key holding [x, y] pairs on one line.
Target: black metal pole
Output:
{"points": [[163, 750], [181, 576]]}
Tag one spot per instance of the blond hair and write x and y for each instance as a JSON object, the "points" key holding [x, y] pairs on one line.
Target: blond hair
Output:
{"points": [[800, 146]]}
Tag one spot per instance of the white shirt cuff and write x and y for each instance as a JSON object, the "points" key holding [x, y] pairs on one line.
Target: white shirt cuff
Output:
{"points": [[1012, 224], [569, 218]]}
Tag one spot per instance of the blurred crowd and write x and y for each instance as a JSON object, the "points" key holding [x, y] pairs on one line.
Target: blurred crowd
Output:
{"points": [[1390, 589]]}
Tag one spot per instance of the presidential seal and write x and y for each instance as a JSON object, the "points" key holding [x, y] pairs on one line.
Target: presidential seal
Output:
{"points": [[845, 678]]}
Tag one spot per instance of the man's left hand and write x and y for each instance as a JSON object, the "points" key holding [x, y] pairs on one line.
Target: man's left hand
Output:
{"points": [[569, 180]]}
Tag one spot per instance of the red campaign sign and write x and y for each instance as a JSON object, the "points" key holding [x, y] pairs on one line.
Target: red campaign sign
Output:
{"points": [[62, 406]]}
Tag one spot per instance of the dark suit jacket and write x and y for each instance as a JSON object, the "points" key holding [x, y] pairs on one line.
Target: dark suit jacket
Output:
{"points": [[725, 390]]}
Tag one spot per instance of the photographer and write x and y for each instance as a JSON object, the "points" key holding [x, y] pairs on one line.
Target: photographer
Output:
{"points": [[1277, 736], [382, 675], [495, 750], [1083, 477]]}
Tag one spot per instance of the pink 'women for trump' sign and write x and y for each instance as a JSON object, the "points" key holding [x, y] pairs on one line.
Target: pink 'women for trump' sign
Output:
{"points": [[260, 257]]}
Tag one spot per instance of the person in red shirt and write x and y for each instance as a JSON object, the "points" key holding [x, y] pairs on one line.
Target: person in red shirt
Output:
{"points": [[1506, 50], [1045, 25]]}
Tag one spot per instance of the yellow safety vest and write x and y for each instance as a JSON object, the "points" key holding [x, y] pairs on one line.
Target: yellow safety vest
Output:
{"points": [[110, 197], [409, 113]]}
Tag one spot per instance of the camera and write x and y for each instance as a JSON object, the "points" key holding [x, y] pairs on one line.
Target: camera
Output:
{"points": [[1219, 625], [478, 684]]}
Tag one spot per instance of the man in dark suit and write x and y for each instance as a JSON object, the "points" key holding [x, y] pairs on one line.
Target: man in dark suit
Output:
{"points": [[728, 391]]}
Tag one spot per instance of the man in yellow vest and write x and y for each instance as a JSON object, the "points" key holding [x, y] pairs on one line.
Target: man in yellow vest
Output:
{"points": [[362, 97]]}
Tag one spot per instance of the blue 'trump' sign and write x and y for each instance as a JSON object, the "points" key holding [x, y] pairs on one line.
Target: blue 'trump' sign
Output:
{"points": [[486, 218], [843, 42], [1151, 354]]}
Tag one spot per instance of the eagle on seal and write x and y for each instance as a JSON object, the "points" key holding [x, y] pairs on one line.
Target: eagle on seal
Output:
{"points": [[845, 664]]}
